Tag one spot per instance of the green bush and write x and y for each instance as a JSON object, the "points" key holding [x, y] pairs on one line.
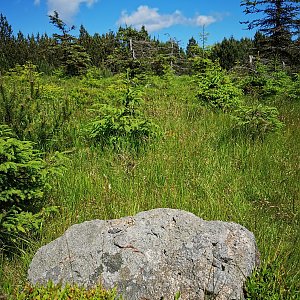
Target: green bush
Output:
{"points": [[67, 292], [278, 83], [23, 183], [34, 111], [256, 121], [201, 64], [124, 126], [293, 90], [254, 80], [94, 75], [217, 91], [266, 84]]}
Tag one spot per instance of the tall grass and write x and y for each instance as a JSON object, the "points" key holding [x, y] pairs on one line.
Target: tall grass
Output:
{"points": [[199, 165]]}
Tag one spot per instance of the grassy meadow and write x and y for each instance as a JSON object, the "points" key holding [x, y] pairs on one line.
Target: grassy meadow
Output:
{"points": [[197, 163]]}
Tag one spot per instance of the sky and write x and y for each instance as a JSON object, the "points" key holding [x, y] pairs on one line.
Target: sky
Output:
{"points": [[164, 19]]}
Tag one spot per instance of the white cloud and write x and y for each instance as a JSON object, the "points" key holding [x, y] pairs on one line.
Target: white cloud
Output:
{"points": [[67, 9], [150, 18], [37, 2], [205, 20], [154, 21]]}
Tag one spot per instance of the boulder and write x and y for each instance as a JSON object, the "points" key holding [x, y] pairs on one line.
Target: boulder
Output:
{"points": [[152, 255]]}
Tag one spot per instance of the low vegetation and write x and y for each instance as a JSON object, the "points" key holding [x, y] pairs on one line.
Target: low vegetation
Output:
{"points": [[67, 292], [239, 164], [94, 132]]}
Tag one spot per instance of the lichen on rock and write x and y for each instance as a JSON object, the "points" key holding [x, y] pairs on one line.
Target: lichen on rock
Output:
{"points": [[152, 255]]}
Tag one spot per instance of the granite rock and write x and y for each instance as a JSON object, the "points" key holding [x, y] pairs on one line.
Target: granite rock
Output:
{"points": [[152, 255]]}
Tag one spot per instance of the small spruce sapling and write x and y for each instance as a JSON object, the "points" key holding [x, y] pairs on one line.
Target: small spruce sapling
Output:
{"points": [[257, 121], [24, 180], [123, 126]]}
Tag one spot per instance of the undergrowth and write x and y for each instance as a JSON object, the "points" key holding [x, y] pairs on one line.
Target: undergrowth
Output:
{"points": [[200, 164], [67, 292]]}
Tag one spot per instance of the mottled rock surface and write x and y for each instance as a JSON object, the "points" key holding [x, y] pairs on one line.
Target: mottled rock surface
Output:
{"points": [[152, 255]]}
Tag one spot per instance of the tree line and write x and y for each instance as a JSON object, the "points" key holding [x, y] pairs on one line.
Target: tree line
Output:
{"points": [[277, 40]]}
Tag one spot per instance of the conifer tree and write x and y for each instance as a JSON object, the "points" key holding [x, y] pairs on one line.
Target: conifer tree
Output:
{"points": [[230, 51], [73, 56], [7, 44], [277, 20], [22, 49], [192, 48]]}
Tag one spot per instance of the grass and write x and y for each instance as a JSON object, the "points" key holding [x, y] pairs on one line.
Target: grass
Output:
{"points": [[198, 166]]}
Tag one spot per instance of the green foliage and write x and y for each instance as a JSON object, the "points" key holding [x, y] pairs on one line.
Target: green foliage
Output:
{"points": [[197, 166], [77, 61], [272, 281], [230, 52], [34, 111], [16, 225], [278, 21], [258, 120], [23, 183], [158, 65], [293, 90], [7, 44], [124, 126], [255, 80], [97, 73], [277, 84], [264, 83], [72, 55], [199, 64], [216, 90], [280, 83], [67, 292], [116, 126], [192, 48], [20, 168]]}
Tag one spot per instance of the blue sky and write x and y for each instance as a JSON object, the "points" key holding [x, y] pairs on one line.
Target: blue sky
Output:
{"points": [[179, 19]]}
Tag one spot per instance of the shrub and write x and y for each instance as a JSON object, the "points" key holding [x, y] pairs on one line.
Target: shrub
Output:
{"points": [[124, 126], [23, 183], [257, 120], [265, 84], [255, 80], [277, 84], [34, 112], [216, 90], [94, 75], [115, 126], [293, 91]]}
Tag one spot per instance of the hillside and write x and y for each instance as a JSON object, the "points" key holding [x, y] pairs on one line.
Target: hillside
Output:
{"points": [[210, 143]]}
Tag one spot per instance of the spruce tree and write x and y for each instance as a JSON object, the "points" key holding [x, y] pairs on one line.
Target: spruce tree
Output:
{"points": [[192, 48], [278, 21], [7, 44], [231, 52], [73, 56]]}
